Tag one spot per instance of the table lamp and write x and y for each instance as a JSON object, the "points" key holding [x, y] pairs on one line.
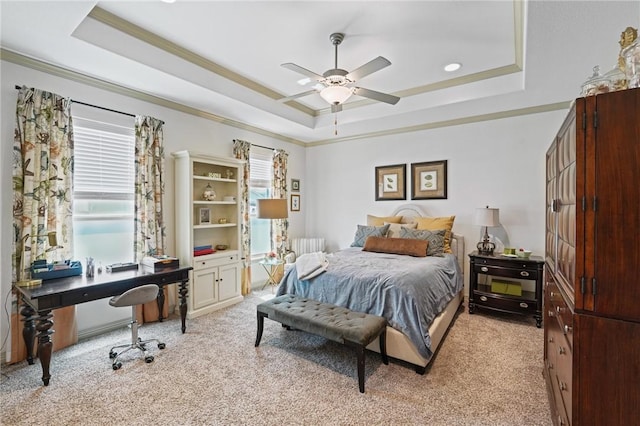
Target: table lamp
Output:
{"points": [[22, 281], [486, 217], [272, 208]]}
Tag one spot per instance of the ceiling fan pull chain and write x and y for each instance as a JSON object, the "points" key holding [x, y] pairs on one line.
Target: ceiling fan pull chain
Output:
{"points": [[335, 122]]}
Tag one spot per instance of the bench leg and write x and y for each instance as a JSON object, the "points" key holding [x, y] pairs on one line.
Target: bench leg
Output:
{"points": [[383, 346], [360, 351], [260, 327]]}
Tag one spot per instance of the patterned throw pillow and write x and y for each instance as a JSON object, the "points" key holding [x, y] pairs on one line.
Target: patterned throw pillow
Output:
{"points": [[435, 238], [363, 232]]}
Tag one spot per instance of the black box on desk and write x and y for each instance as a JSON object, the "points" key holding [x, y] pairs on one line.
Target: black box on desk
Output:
{"points": [[159, 263]]}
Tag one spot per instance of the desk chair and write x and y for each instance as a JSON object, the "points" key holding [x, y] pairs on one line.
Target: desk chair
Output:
{"points": [[133, 297]]}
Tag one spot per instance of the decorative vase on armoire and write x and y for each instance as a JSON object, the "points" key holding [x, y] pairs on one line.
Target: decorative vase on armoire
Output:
{"points": [[592, 263]]}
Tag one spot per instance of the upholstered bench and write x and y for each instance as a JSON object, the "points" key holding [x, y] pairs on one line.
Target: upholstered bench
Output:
{"points": [[355, 329]]}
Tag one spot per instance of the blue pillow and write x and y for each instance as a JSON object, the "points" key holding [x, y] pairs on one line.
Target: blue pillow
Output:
{"points": [[435, 239], [363, 232]]}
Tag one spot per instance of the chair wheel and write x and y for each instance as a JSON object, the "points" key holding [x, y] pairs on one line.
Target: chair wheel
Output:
{"points": [[148, 359], [117, 365], [113, 354], [161, 346]]}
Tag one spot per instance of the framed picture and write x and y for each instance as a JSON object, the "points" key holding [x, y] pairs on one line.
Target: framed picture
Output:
{"points": [[429, 180], [390, 182], [295, 185], [205, 216], [295, 203]]}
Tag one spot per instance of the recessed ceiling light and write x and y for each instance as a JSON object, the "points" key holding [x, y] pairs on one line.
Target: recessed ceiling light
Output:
{"points": [[454, 66]]}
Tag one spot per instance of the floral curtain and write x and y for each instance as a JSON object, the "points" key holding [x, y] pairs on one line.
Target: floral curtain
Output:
{"points": [[43, 193], [279, 227], [241, 150], [149, 226]]}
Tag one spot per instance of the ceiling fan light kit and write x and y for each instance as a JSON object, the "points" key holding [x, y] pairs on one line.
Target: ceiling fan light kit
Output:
{"points": [[335, 85]]}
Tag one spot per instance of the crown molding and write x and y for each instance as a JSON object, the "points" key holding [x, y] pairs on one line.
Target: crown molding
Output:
{"points": [[449, 123], [19, 59]]}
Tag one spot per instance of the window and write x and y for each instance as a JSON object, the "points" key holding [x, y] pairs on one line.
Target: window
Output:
{"points": [[103, 190], [261, 168]]}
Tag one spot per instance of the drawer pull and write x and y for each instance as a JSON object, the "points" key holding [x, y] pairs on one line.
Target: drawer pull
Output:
{"points": [[552, 294], [551, 339], [552, 314], [559, 309], [524, 273], [561, 350], [483, 298], [484, 269], [563, 386], [524, 305], [568, 329]]}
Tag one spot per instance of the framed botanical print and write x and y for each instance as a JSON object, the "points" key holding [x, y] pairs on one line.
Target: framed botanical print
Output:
{"points": [[295, 203], [295, 185], [205, 216], [429, 180], [390, 182]]}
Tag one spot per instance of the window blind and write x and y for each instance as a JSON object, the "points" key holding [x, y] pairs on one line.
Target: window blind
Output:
{"points": [[261, 169], [103, 160]]}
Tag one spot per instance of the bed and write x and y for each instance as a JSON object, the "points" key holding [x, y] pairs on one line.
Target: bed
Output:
{"points": [[363, 281]]}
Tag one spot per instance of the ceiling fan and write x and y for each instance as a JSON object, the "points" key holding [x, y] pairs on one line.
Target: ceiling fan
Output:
{"points": [[336, 85]]}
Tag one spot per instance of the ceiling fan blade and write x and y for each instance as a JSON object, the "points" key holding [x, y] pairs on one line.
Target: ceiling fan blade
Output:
{"points": [[336, 107], [368, 68], [303, 71], [299, 95], [378, 96]]}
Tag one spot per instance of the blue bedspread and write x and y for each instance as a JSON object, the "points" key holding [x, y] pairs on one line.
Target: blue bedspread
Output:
{"points": [[408, 291]]}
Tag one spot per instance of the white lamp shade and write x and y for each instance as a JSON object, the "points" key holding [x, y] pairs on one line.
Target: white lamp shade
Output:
{"points": [[272, 208], [336, 94], [487, 217]]}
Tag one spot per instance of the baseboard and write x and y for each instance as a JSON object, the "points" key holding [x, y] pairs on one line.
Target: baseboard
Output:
{"points": [[103, 328]]}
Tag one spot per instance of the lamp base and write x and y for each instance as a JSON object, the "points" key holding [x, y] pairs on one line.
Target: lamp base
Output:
{"points": [[486, 248], [28, 283]]}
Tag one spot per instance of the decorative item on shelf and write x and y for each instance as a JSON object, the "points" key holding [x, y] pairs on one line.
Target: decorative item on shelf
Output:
{"points": [[229, 198], [222, 247], [215, 175], [630, 56], [615, 79], [222, 220], [486, 217], [202, 250], [228, 174], [273, 208], [209, 194], [595, 84]]}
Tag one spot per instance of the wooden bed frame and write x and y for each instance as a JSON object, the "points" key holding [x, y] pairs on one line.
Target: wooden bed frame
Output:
{"points": [[398, 344]]}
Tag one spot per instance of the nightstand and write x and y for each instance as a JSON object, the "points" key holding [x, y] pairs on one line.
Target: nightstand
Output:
{"points": [[506, 284]]}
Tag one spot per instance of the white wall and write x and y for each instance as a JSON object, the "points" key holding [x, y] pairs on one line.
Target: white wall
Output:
{"points": [[498, 163], [181, 131]]}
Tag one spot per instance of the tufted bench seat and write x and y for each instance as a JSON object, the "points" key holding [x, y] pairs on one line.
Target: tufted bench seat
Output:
{"points": [[355, 329]]}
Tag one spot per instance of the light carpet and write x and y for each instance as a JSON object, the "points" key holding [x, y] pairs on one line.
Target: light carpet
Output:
{"points": [[487, 372]]}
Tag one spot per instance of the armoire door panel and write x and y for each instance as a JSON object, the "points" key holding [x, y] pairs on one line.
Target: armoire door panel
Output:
{"points": [[616, 189]]}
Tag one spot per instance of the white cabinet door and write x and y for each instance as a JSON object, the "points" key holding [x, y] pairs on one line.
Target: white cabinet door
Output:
{"points": [[228, 283], [204, 287]]}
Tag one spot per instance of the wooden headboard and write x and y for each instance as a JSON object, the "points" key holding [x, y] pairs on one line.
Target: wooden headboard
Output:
{"points": [[410, 211]]}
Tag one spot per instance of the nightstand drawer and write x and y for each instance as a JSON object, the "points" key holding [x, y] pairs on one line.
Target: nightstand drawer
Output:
{"points": [[503, 271], [504, 303]]}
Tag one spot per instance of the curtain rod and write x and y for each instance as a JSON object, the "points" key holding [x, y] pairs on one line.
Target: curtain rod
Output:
{"points": [[96, 106]]}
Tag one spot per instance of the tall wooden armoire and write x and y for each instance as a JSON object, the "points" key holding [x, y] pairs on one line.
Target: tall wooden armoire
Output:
{"points": [[592, 263]]}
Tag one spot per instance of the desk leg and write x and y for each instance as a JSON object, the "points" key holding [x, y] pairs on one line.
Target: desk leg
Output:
{"points": [[160, 301], [183, 291], [29, 330], [45, 345]]}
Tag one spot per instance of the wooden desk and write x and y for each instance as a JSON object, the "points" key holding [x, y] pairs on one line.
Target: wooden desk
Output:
{"points": [[53, 294]]}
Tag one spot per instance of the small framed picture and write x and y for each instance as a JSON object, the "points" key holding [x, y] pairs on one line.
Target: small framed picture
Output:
{"points": [[295, 203], [205, 216], [295, 185], [389, 182], [429, 180]]}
